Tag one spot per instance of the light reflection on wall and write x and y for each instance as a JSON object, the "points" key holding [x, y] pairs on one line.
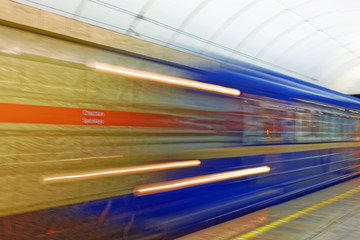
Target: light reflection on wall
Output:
{"points": [[194, 181], [167, 79]]}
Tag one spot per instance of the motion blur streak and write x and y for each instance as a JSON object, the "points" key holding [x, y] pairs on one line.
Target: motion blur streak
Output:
{"points": [[194, 181], [167, 79], [85, 175], [62, 160]]}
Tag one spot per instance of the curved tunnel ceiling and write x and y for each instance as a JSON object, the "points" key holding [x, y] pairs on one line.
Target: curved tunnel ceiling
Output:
{"points": [[313, 40]]}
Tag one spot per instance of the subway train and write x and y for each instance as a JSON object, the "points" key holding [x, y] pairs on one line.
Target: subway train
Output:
{"points": [[130, 154]]}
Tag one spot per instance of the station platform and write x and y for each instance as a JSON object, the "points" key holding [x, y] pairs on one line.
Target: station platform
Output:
{"points": [[329, 214]]}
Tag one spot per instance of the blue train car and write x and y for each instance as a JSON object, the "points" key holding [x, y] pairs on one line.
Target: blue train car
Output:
{"points": [[180, 155]]}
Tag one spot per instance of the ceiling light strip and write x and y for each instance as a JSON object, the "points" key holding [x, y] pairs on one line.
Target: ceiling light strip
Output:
{"points": [[309, 23], [195, 181], [86, 175], [167, 79]]}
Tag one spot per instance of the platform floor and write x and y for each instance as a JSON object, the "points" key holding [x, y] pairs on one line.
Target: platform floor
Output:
{"points": [[329, 214]]}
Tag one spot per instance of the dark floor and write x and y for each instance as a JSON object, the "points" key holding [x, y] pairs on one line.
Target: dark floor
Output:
{"points": [[329, 214]]}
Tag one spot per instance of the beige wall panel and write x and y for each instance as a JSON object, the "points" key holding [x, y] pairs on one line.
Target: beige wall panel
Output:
{"points": [[112, 88], [10, 41], [9, 73], [38, 45], [36, 69], [46, 21], [19, 13], [53, 80]]}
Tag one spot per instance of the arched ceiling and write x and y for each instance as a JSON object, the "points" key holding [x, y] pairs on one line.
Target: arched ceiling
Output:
{"points": [[313, 40]]}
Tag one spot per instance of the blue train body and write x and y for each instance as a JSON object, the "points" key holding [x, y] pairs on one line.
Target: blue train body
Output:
{"points": [[307, 135]]}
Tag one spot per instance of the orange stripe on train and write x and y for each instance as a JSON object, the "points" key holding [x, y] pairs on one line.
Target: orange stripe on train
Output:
{"points": [[22, 113]]}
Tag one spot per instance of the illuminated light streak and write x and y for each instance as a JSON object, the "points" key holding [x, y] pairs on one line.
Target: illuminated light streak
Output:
{"points": [[167, 79], [194, 181], [355, 166], [86, 175]]}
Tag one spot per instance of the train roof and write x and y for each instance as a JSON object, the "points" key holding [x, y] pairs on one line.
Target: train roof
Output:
{"points": [[272, 84]]}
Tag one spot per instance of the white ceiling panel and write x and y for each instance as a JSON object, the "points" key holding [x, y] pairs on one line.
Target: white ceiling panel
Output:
{"points": [[204, 24], [64, 7], [106, 15], [149, 29], [314, 40], [160, 11], [133, 6]]}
